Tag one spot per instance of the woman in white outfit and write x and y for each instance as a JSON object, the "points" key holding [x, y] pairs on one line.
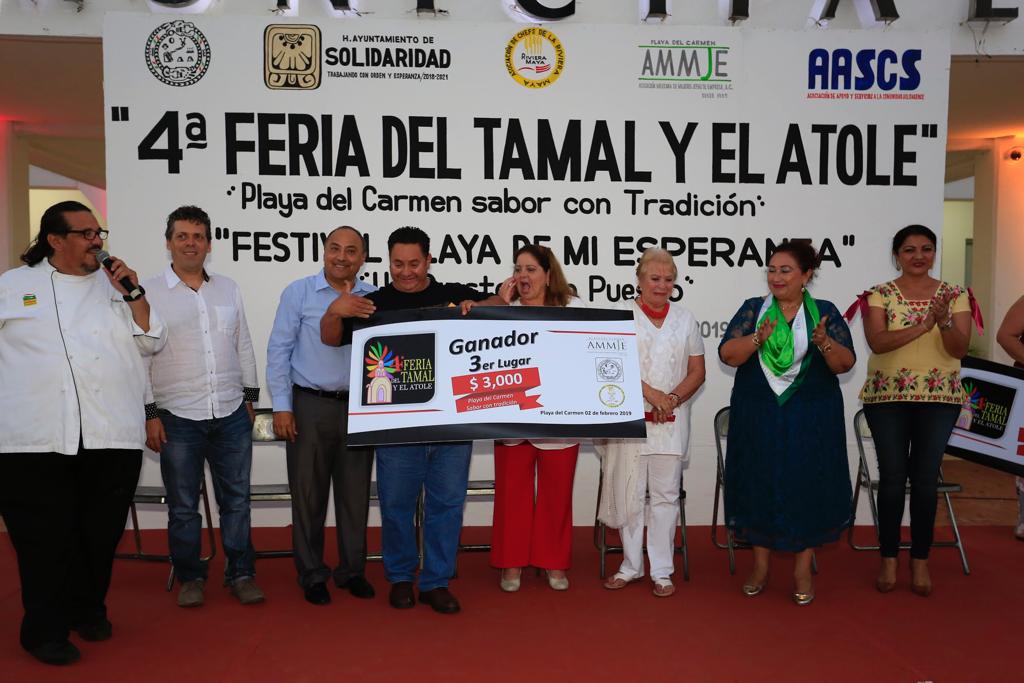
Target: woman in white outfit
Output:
{"points": [[671, 369]]}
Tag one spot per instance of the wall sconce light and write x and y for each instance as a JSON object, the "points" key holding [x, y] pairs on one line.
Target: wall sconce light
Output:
{"points": [[1015, 154]]}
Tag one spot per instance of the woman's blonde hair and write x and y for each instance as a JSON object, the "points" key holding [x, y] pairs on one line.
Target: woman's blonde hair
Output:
{"points": [[557, 292], [656, 255]]}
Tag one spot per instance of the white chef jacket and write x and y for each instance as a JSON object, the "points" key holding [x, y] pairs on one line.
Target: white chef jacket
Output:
{"points": [[70, 363], [208, 359]]}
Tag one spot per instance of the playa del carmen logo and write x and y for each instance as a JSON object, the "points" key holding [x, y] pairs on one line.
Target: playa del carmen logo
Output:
{"points": [[291, 57], [867, 74], [693, 65], [535, 57], [177, 53], [399, 369]]}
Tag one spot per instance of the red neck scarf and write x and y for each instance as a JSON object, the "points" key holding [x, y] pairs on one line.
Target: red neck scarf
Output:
{"points": [[651, 313]]}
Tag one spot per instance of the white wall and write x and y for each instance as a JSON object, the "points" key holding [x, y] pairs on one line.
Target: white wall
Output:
{"points": [[59, 17]]}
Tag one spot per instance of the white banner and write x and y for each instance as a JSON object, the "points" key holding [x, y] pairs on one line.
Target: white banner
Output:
{"points": [[505, 372], [596, 140]]}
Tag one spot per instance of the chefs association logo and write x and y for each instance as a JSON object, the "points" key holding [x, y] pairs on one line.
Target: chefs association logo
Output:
{"points": [[399, 369], [291, 57], [986, 410], [177, 53], [534, 57], [611, 395]]}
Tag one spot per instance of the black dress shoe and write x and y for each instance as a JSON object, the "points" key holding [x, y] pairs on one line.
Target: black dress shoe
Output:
{"points": [[440, 600], [57, 654], [401, 596], [95, 631], [358, 586], [317, 594]]}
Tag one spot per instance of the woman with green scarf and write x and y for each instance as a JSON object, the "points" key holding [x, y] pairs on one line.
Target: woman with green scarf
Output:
{"points": [[787, 478]]}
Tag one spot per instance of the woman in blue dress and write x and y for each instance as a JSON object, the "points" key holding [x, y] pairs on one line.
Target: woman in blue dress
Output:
{"points": [[787, 479]]}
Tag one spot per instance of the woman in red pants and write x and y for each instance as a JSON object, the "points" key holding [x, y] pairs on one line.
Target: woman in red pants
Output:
{"points": [[529, 530]]}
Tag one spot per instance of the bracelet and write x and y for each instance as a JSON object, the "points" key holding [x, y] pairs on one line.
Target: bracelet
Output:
{"points": [[948, 324], [676, 397], [826, 348], [757, 342]]}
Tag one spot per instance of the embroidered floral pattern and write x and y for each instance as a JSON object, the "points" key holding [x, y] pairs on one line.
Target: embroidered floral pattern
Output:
{"points": [[879, 382], [890, 380], [934, 381]]}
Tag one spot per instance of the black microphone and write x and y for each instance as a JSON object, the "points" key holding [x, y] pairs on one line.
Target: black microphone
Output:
{"points": [[134, 291]]}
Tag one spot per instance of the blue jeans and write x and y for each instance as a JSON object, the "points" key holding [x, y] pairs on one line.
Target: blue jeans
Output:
{"points": [[226, 443], [910, 440], [441, 470]]}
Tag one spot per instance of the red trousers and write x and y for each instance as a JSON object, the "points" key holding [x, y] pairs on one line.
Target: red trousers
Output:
{"points": [[528, 532]]}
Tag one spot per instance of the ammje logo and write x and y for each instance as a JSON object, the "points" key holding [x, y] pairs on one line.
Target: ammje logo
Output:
{"points": [[842, 69]]}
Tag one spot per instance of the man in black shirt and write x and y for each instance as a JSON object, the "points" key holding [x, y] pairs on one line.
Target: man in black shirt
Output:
{"points": [[440, 469]]}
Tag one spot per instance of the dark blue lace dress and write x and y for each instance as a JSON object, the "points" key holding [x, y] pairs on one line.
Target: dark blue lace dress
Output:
{"points": [[787, 478]]}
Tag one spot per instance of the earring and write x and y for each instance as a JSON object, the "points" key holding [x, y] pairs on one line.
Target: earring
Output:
{"points": [[899, 267]]}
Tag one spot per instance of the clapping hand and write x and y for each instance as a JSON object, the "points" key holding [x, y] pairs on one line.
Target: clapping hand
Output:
{"points": [[764, 330], [819, 336], [939, 308]]}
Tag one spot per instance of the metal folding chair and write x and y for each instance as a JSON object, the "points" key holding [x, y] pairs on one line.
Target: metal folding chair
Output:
{"points": [[263, 432], [601, 532], [864, 481], [732, 544], [721, 438], [157, 495]]}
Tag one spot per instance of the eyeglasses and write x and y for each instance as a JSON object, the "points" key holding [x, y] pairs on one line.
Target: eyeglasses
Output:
{"points": [[90, 233], [785, 270]]}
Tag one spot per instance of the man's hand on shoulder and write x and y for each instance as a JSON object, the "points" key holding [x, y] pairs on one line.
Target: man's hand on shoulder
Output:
{"points": [[349, 305]]}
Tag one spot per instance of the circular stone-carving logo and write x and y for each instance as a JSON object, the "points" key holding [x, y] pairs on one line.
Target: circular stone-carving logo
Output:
{"points": [[178, 53], [535, 57]]}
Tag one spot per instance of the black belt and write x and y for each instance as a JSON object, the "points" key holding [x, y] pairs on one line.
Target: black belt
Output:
{"points": [[339, 395]]}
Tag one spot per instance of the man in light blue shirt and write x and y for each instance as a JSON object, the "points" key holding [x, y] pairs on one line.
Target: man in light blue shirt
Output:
{"points": [[308, 382]]}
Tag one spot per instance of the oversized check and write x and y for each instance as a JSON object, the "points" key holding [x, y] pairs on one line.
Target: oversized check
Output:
{"points": [[990, 429], [433, 374]]}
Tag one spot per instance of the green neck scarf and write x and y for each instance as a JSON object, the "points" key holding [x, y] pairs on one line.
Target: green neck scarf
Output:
{"points": [[777, 350]]}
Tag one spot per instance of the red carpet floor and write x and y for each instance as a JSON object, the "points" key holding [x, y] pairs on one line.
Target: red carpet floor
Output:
{"points": [[967, 630]]}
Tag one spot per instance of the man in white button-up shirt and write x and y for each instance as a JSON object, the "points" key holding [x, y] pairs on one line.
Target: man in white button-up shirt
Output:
{"points": [[72, 385], [204, 385]]}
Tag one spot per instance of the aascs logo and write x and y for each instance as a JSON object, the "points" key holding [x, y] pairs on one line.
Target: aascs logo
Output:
{"points": [[535, 57], [866, 74], [177, 53], [399, 369], [291, 57]]}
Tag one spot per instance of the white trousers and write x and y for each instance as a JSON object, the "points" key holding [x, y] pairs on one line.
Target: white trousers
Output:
{"points": [[661, 476]]}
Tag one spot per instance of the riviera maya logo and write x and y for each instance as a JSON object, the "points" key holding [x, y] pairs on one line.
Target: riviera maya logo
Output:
{"points": [[177, 53], [535, 57], [399, 379], [986, 410], [291, 57]]}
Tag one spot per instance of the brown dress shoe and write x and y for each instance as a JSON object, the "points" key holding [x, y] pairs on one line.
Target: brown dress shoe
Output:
{"points": [[401, 596], [440, 600]]}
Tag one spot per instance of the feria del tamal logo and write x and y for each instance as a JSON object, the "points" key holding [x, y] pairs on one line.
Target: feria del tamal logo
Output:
{"points": [[399, 369]]}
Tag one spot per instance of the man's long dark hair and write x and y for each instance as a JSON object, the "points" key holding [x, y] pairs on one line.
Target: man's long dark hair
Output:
{"points": [[52, 223]]}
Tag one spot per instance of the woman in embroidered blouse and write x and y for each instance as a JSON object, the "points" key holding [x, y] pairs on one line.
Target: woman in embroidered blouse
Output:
{"points": [[787, 480], [531, 530], [671, 352], [918, 329]]}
